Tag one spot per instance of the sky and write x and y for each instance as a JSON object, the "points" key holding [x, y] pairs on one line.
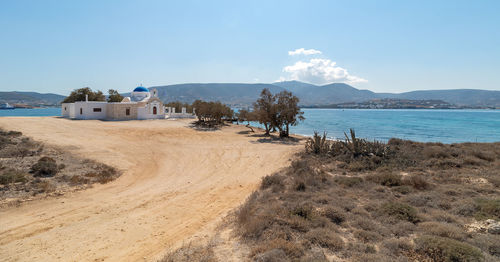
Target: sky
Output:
{"points": [[383, 46]]}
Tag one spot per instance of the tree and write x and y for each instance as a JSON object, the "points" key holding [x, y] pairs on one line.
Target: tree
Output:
{"points": [[264, 109], [287, 112], [245, 115], [114, 96], [79, 95], [212, 113]]}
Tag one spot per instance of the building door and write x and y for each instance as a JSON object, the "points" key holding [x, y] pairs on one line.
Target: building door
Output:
{"points": [[154, 110]]}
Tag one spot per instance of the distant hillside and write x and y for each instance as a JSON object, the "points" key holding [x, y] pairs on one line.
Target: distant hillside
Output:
{"points": [[238, 94], [234, 94], [468, 97], [30, 98]]}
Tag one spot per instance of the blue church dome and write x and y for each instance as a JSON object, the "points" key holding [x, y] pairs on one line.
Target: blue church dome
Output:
{"points": [[141, 89]]}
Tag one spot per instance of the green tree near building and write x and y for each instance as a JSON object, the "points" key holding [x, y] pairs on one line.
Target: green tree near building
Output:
{"points": [[79, 95]]}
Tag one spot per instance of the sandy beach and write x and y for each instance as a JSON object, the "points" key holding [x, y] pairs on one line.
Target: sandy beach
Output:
{"points": [[177, 184]]}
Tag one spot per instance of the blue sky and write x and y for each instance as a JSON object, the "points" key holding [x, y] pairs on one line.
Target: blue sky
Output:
{"points": [[383, 46]]}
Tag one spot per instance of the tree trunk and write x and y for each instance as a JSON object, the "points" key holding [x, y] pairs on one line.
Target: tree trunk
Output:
{"points": [[267, 128]]}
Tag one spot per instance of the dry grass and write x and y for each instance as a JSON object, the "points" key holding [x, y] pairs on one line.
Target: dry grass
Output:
{"points": [[374, 207], [28, 168]]}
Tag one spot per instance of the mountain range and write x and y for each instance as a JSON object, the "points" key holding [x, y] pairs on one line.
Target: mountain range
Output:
{"points": [[238, 94]]}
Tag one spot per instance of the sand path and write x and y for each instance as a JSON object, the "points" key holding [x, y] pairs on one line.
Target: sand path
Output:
{"points": [[177, 184]]}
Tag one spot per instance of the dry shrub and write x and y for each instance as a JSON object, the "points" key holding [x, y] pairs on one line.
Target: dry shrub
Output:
{"points": [[397, 246], [446, 249], [45, 167], [191, 252], [45, 186], [349, 181], [367, 236], [386, 179], [291, 249], [12, 176], [443, 230], [78, 180], [435, 152], [487, 208], [336, 215], [325, 238], [487, 156], [400, 211], [272, 180], [417, 182]]}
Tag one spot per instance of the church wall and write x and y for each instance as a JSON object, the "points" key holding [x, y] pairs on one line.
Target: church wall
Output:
{"points": [[118, 111], [90, 110]]}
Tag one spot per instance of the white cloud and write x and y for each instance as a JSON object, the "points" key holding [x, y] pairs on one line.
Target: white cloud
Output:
{"points": [[319, 71], [302, 51]]}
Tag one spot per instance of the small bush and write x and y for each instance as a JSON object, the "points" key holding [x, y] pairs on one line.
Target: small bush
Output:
{"points": [[325, 238], [45, 186], [445, 249], [367, 236], [349, 181], [400, 211], [45, 167], [335, 215], [487, 208], [317, 144], [386, 179], [12, 176], [417, 182], [271, 180], [443, 230]]}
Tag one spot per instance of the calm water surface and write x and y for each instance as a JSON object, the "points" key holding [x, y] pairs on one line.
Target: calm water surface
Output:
{"points": [[447, 126]]}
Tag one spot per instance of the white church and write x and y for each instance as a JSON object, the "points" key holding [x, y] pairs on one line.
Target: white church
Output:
{"points": [[140, 105]]}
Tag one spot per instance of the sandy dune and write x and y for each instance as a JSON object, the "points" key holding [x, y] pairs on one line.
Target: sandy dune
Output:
{"points": [[177, 184]]}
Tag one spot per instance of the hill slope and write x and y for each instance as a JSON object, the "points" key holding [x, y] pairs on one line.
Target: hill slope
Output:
{"points": [[31, 98]]}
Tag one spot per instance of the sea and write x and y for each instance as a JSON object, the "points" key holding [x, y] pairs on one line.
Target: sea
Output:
{"points": [[424, 125]]}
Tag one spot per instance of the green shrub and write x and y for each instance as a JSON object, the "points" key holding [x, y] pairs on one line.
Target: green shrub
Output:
{"points": [[443, 249], [45, 167], [400, 211], [317, 144]]}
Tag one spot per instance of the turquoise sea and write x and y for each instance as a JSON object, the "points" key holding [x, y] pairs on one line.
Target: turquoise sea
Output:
{"points": [[447, 126]]}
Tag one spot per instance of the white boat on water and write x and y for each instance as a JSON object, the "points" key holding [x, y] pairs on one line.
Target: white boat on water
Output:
{"points": [[6, 106]]}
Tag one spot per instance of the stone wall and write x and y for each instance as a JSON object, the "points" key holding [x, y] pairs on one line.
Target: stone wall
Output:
{"points": [[117, 111]]}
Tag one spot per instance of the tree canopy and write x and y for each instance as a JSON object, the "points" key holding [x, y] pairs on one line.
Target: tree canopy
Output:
{"points": [[79, 95], [278, 111], [212, 112], [114, 96]]}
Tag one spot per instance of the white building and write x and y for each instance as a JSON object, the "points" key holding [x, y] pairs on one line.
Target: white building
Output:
{"points": [[140, 105]]}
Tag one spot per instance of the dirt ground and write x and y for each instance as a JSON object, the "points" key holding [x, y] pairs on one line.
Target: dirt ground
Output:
{"points": [[177, 184]]}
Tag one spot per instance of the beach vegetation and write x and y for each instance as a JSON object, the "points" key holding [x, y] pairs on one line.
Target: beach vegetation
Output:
{"points": [[265, 110], [211, 114], [396, 203], [45, 167]]}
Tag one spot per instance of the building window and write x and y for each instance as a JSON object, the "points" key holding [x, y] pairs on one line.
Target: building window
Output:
{"points": [[127, 111], [154, 110], [81, 111], [64, 108], [97, 109]]}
